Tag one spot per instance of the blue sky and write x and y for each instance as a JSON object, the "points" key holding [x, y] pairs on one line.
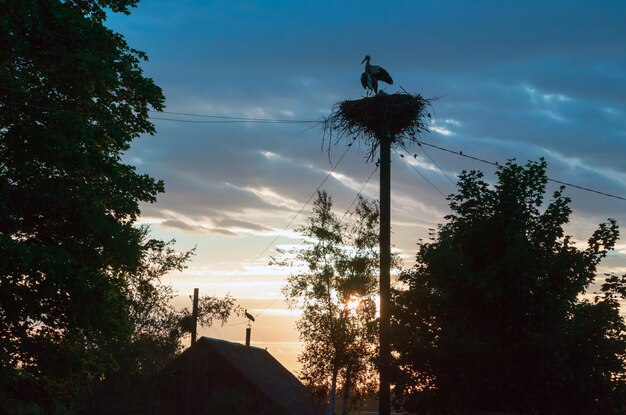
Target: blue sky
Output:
{"points": [[515, 79]]}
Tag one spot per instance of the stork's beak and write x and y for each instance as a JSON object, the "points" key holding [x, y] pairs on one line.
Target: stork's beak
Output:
{"points": [[364, 59]]}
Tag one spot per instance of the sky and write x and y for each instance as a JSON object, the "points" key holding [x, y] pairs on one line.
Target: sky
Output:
{"points": [[512, 79]]}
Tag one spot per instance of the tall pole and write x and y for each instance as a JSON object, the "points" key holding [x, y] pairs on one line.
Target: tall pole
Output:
{"points": [[384, 397], [194, 316], [382, 118]]}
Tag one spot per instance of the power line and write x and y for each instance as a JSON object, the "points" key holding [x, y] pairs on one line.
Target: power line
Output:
{"points": [[433, 161], [287, 226], [227, 117], [295, 216], [236, 121], [235, 324], [586, 189], [341, 220], [420, 173], [223, 119], [216, 119], [263, 339], [358, 194], [307, 202], [460, 153]]}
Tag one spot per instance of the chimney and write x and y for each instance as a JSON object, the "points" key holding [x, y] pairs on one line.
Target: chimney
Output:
{"points": [[248, 330], [194, 316]]}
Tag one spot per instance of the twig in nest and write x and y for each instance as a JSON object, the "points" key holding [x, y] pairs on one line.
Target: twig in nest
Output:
{"points": [[399, 117]]}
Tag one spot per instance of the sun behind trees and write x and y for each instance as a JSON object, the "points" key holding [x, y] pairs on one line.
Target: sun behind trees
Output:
{"points": [[336, 291], [492, 317]]}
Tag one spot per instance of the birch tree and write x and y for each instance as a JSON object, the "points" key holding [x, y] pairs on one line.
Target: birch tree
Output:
{"points": [[336, 290]]}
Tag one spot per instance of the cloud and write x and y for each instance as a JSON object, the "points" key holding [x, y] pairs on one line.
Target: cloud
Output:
{"points": [[198, 229], [242, 224], [221, 225], [224, 232], [515, 80], [178, 224], [440, 130]]}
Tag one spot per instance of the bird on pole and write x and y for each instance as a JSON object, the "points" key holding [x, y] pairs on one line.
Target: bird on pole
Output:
{"points": [[248, 315], [373, 74]]}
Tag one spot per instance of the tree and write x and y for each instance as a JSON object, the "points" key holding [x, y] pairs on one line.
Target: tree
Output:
{"points": [[336, 291], [158, 331], [72, 98], [493, 318]]}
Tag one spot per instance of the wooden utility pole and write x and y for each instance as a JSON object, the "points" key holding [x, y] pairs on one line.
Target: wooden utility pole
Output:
{"points": [[384, 398], [194, 316], [382, 121]]}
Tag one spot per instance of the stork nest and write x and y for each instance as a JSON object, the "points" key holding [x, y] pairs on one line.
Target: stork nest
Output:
{"points": [[399, 117]]}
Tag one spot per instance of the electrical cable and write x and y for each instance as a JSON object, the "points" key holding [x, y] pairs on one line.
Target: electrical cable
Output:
{"points": [[420, 173], [237, 121], [460, 153], [433, 161], [223, 119], [227, 117], [341, 220], [358, 194], [293, 218], [217, 119]]}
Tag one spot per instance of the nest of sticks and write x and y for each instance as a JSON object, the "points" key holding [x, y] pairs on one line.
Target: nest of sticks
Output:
{"points": [[399, 117]]}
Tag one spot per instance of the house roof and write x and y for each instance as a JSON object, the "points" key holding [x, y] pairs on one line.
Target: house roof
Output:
{"points": [[270, 377]]}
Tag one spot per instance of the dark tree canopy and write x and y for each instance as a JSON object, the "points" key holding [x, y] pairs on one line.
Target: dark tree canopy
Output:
{"points": [[492, 316], [72, 265], [158, 329]]}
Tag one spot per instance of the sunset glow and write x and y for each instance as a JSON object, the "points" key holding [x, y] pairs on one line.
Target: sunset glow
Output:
{"points": [[238, 190]]}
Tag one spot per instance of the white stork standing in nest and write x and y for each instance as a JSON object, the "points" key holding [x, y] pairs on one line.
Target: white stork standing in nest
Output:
{"points": [[373, 74]]}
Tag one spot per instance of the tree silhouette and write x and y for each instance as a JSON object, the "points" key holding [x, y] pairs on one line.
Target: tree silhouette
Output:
{"points": [[72, 98], [381, 122], [336, 290], [157, 333], [492, 317]]}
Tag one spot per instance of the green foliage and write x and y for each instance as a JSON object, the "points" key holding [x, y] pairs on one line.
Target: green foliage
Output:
{"points": [[72, 98], [150, 302], [158, 330], [79, 292], [336, 291], [492, 316]]}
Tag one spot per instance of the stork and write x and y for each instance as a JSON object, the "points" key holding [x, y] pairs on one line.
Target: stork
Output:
{"points": [[248, 315], [250, 318], [373, 74], [366, 81]]}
